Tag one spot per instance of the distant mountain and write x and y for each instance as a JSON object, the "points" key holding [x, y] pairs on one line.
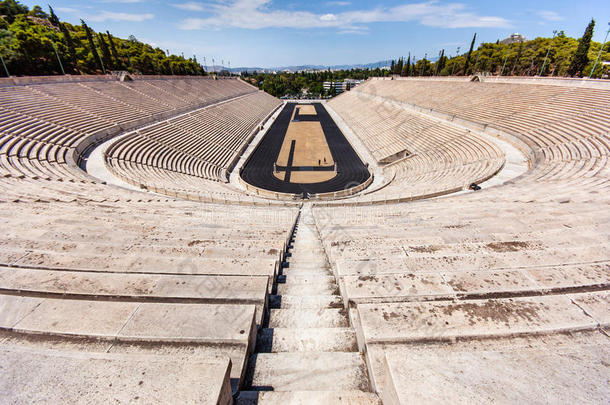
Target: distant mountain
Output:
{"points": [[380, 64]]}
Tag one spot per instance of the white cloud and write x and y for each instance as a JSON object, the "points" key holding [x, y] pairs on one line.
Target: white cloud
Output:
{"points": [[328, 17], [550, 15], [190, 6], [113, 16], [338, 3], [258, 14]]}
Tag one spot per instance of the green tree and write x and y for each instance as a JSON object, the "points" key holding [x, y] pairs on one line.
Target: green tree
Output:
{"points": [[517, 59], [93, 50], [406, 66], [423, 67], [106, 56], [442, 61], [53, 19], [467, 63], [11, 8], [37, 12], [581, 57]]}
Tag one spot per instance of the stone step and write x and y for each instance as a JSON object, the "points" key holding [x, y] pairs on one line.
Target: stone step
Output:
{"points": [[308, 279], [309, 371], [304, 246], [215, 324], [477, 319], [307, 267], [311, 278], [188, 288], [308, 318], [223, 329], [469, 373], [54, 376], [307, 289], [312, 272], [308, 241], [307, 233], [305, 301], [319, 260], [308, 398], [307, 340], [313, 245]]}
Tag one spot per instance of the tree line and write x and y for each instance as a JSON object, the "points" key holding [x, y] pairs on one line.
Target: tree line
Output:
{"points": [[556, 56], [293, 84], [34, 42]]}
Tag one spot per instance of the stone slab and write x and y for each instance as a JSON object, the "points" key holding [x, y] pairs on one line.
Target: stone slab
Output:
{"points": [[305, 301], [597, 274], [49, 376], [490, 282], [596, 305], [189, 288], [129, 321], [248, 289], [309, 340], [13, 309], [394, 287], [77, 318], [212, 324], [308, 318], [145, 264], [433, 321], [540, 373], [300, 371]]}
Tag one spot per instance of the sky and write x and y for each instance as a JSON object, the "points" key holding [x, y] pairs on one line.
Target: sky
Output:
{"points": [[271, 33]]}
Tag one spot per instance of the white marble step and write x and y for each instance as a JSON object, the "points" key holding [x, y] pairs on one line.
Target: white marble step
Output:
{"points": [[310, 371]]}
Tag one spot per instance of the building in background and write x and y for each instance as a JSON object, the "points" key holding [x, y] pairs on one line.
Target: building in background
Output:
{"points": [[340, 87], [512, 38]]}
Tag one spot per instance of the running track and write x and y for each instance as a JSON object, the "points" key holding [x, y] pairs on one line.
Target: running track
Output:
{"points": [[258, 170]]}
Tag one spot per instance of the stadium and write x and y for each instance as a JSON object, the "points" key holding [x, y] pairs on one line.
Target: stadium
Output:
{"points": [[194, 239]]}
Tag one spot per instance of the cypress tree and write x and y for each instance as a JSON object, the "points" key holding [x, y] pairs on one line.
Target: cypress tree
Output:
{"points": [[67, 38], [405, 70], [392, 66], [467, 65], [115, 54], [70, 44], [96, 55], [53, 18], [399, 66], [105, 51], [408, 66], [442, 61], [580, 57]]}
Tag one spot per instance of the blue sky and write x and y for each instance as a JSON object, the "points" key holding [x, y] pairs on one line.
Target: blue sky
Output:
{"points": [[293, 32]]}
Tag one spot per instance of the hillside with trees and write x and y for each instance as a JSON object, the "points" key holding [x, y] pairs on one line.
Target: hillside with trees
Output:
{"points": [[35, 42], [556, 56]]}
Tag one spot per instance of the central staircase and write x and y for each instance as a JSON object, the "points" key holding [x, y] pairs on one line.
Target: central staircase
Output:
{"points": [[308, 352]]}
